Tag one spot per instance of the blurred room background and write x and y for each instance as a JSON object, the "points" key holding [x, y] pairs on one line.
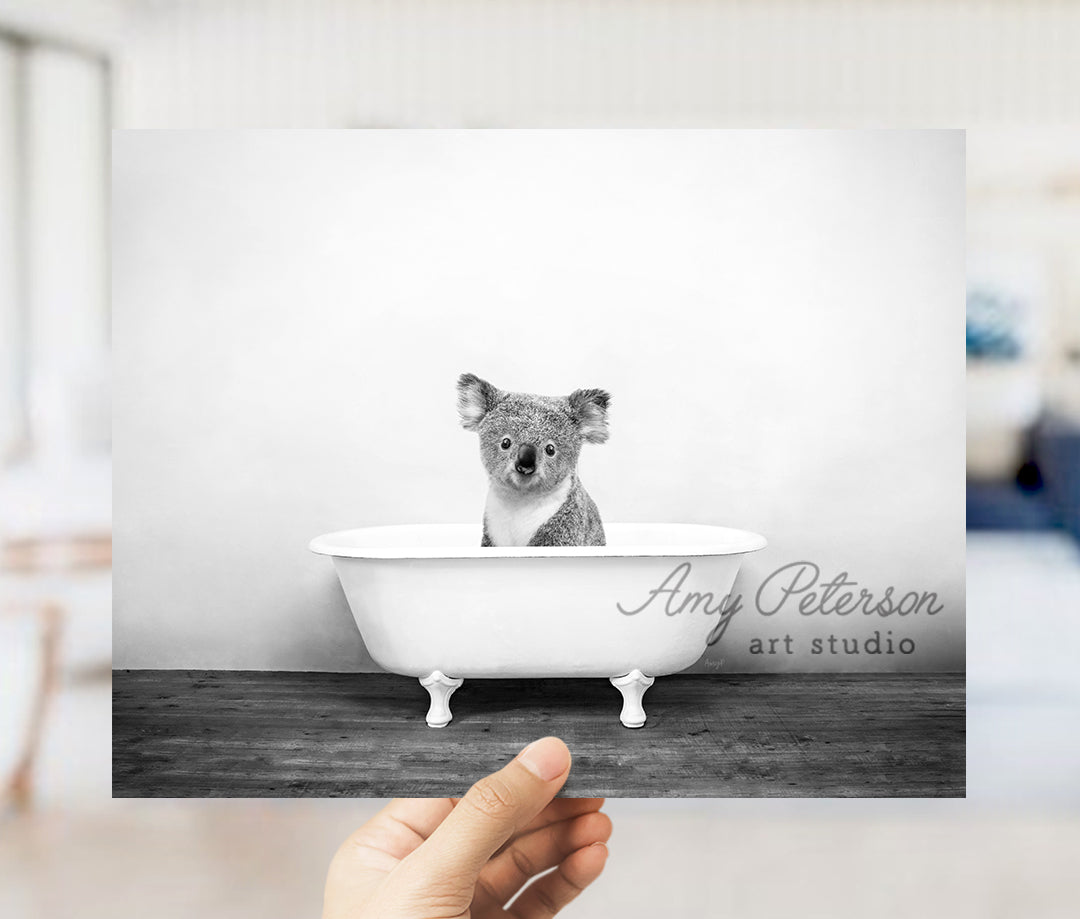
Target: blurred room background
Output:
{"points": [[1023, 457], [71, 70]]}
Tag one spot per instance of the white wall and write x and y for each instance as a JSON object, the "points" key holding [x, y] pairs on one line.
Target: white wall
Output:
{"points": [[1024, 211], [631, 63], [778, 315]]}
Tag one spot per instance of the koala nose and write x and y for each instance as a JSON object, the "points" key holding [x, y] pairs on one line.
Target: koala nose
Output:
{"points": [[526, 459]]}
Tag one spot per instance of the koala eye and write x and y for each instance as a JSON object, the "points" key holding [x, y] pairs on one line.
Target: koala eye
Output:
{"points": [[505, 443], [550, 449]]}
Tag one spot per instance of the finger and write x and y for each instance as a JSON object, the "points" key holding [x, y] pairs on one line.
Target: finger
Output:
{"points": [[535, 852], [545, 896], [558, 810], [402, 825], [495, 808]]}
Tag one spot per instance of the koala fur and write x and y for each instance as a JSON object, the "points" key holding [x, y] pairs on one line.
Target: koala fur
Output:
{"points": [[536, 498]]}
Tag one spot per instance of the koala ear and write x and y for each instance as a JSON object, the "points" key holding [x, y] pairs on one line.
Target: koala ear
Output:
{"points": [[475, 398], [589, 408]]}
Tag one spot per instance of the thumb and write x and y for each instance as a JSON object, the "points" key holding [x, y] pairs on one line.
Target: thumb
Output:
{"points": [[492, 811]]}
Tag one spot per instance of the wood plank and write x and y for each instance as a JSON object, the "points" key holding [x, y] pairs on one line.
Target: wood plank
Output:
{"points": [[283, 734]]}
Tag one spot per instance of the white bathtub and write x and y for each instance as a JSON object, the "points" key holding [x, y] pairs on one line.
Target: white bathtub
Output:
{"points": [[431, 603]]}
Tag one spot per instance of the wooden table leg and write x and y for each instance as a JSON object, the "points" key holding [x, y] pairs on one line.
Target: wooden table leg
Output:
{"points": [[21, 785]]}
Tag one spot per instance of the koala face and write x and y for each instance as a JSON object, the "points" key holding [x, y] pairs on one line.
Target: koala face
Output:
{"points": [[530, 444]]}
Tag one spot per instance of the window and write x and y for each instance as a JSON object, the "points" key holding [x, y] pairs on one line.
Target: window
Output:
{"points": [[54, 284]]}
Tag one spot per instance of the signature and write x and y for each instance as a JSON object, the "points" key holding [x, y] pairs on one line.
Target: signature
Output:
{"points": [[726, 607], [799, 582]]}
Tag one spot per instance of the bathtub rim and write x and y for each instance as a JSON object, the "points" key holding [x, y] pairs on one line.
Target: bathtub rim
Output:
{"points": [[734, 542]]}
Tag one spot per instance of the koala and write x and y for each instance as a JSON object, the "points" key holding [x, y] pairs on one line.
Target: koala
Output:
{"points": [[529, 446]]}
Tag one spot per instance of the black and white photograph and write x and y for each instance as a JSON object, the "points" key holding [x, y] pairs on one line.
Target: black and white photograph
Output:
{"points": [[427, 441], [522, 459]]}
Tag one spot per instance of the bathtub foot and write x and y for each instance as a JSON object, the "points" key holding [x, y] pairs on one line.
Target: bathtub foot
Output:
{"points": [[632, 686], [440, 687]]}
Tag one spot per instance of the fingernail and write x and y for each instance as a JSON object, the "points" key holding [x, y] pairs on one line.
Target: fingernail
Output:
{"points": [[546, 758]]}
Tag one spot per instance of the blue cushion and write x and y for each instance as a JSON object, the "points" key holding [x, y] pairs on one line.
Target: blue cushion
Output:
{"points": [[1057, 451], [1003, 506]]}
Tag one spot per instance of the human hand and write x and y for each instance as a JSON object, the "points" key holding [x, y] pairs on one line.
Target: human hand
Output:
{"points": [[437, 858]]}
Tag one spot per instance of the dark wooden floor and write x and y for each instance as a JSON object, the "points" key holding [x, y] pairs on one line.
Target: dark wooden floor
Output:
{"points": [[246, 734]]}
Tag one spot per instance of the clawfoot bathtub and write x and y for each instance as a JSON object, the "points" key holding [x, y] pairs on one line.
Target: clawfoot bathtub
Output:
{"points": [[432, 604]]}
